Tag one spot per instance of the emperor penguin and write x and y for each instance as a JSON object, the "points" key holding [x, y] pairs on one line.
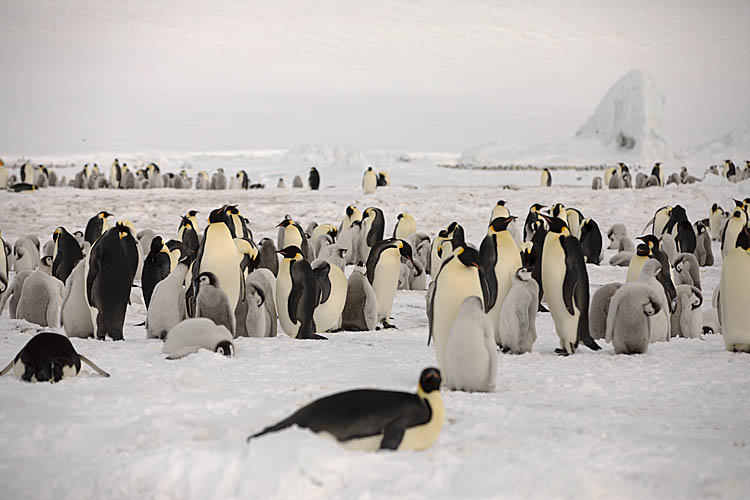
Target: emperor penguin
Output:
{"points": [[470, 355], [332, 284], [371, 231], [372, 419], [500, 259], [518, 314], [27, 173], [658, 173], [660, 220], [687, 271], [384, 179], [40, 301], [737, 221], [115, 175], [48, 357], [383, 269], [460, 277], [291, 234], [296, 295], [615, 234], [133, 251], [3, 176], [660, 322], [97, 226], [599, 309], [629, 317], [212, 302], [218, 254], [665, 276], [575, 221], [566, 286], [703, 250], [361, 308], [500, 210], [546, 178], [75, 314], [194, 334], [559, 211], [591, 242], [108, 282], [687, 319], [268, 257], [734, 310], [314, 179], [188, 234], [532, 217], [435, 260], [156, 267], [65, 255], [352, 215], [167, 307], [257, 281], [608, 173], [405, 226], [369, 181]]}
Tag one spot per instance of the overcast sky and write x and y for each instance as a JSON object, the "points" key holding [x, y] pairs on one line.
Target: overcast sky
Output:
{"points": [[416, 76]]}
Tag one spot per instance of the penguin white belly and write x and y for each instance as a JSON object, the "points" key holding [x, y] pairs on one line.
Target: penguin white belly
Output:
{"points": [[221, 258], [292, 237], [283, 289], [327, 316], [369, 183], [405, 228], [734, 226], [455, 285], [386, 281], [714, 225], [553, 275], [660, 220], [508, 262], [435, 261], [3, 177], [75, 313], [93, 311], [421, 437], [634, 269], [735, 313]]}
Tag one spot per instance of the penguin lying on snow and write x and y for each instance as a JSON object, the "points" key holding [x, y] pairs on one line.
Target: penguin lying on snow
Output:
{"points": [[371, 419], [194, 334], [48, 357]]}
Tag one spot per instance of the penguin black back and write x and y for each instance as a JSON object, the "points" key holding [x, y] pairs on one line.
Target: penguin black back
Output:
{"points": [[68, 254]]}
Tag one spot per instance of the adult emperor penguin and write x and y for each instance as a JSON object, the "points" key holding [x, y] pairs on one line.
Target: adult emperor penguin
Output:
{"points": [[96, 226], [591, 241], [575, 220], [296, 295], [314, 179], [369, 181], [732, 229], [383, 269], [715, 220], [115, 174], [500, 259], [352, 215], [435, 258], [218, 254], [371, 419], [332, 287], [532, 217], [460, 277], [291, 234], [188, 234], [66, 254], [658, 173], [371, 232], [156, 267], [636, 262], [108, 282], [660, 220], [546, 178], [405, 226], [566, 287], [734, 310]]}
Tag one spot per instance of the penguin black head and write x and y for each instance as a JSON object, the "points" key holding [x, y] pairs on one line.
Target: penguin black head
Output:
{"points": [[286, 222], [350, 210], [399, 216], [156, 244], [219, 215], [556, 225], [290, 252], [501, 203], [468, 256], [225, 348], [57, 233], [714, 207], [501, 223], [743, 239], [207, 278], [193, 213], [738, 203], [103, 214], [369, 169], [657, 164], [185, 222], [650, 240], [404, 249], [232, 209], [430, 380], [78, 234], [536, 207], [700, 228], [642, 250], [47, 260]]}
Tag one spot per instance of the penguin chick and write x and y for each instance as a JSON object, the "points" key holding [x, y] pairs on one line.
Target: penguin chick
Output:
{"points": [[41, 299], [628, 318], [599, 309], [518, 314], [212, 302], [470, 357], [687, 318], [193, 334]]}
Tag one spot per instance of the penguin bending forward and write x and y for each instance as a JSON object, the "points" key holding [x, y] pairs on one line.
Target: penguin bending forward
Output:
{"points": [[371, 419]]}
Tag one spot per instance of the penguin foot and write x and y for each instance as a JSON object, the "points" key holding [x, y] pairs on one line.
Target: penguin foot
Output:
{"points": [[313, 336], [561, 352], [387, 325], [543, 309]]}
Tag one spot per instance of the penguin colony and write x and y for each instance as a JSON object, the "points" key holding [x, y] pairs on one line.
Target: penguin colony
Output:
{"points": [[205, 288]]}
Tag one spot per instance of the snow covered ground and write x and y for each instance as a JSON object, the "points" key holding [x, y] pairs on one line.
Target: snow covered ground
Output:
{"points": [[672, 423]]}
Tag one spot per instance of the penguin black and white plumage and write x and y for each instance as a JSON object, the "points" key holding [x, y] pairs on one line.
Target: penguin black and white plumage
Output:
{"points": [[332, 287], [371, 419], [575, 220], [460, 277], [132, 248], [48, 357], [156, 267], [167, 306], [296, 295], [383, 269], [733, 227], [566, 287], [500, 259], [40, 300], [371, 231], [659, 322], [361, 308], [629, 317], [687, 270], [405, 226], [518, 314], [314, 179], [715, 219], [734, 312], [268, 258], [115, 175], [599, 309], [97, 226], [470, 357], [435, 259], [4, 267], [218, 254], [657, 172], [241, 180], [291, 234], [531, 217], [546, 178], [384, 179], [703, 250], [636, 262], [188, 234], [194, 334], [66, 254], [369, 181], [75, 314], [212, 302], [682, 230], [665, 276], [591, 242], [687, 319]]}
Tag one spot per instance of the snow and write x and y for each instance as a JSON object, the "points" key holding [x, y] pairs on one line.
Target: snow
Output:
{"points": [[734, 145], [672, 423]]}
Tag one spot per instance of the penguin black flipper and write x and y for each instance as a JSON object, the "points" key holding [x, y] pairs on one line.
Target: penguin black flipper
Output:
{"points": [[377, 228], [360, 413], [576, 288], [488, 259], [301, 303], [323, 282]]}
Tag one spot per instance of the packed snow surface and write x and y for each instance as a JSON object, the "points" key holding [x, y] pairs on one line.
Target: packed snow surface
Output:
{"points": [[672, 423]]}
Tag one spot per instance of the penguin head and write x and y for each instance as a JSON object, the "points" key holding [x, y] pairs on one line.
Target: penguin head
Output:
{"points": [[524, 273], [369, 169], [350, 210], [157, 245], [467, 256], [696, 298], [291, 252], [103, 214], [501, 223], [232, 209], [430, 380], [557, 210], [500, 203], [452, 227], [56, 234], [556, 225], [536, 207], [657, 164], [286, 222], [207, 278], [225, 348], [714, 207], [404, 249], [46, 260], [650, 240], [219, 215], [186, 223]]}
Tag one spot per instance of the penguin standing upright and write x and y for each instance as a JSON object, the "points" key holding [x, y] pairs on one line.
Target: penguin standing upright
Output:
{"points": [[291, 234], [658, 173], [188, 234], [332, 284], [314, 179], [532, 217], [218, 254], [575, 221], [500, 259], [405, 226], [660, 220], [108, 282], [735, 313], [714, 221], [665, 276], [115, 174], [369, 181], [435, 260], [212, 302], [733, 228], [383, 269], [371, 232], [296, 295], [460, 277], [268, 257], [636, 262], [96, 226], [566, 287], [167, 306], [591, 242], [156, 267], [546, 178], [66, 254]]}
